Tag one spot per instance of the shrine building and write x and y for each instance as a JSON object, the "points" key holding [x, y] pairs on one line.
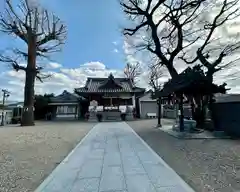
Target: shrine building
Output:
{"points": [[109, 96]]}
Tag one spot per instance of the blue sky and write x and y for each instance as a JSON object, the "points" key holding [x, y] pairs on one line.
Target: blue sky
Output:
{"points": [[93, 26], [94, 46]]}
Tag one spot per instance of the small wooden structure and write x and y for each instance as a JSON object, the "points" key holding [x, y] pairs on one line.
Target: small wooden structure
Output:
{"points": [[192, 83], [66, 105]]}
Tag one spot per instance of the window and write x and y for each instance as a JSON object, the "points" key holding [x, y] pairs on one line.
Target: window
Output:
{"points": [[71, 109], [66, 109]]}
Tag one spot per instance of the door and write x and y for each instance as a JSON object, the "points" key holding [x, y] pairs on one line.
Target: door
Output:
{"points": [[148, 107]]}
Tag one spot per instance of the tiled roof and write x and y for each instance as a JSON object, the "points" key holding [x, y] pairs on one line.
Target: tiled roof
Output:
{"points": [[96, 85], [190, 81], [13, 105], [66, 97]]}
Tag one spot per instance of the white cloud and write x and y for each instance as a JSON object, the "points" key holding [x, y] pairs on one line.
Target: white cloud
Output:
{"points": [[65, 79], [228, 33], [230, 75], [53, 65], [115, 42], [94, 66], [115, 50], [20, 75], [70, 78]]}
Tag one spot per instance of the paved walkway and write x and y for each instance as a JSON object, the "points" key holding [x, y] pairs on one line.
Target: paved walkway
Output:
{"points": [[113, 158]]}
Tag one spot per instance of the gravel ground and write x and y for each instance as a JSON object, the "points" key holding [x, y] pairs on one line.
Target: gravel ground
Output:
{"points": [[206, 165], [29, 154]]}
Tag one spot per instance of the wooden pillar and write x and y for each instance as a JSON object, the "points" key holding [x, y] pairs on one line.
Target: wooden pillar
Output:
{"points": [[181, 117], [159, 112], [76, 111], [133, 101], [111, 101]]}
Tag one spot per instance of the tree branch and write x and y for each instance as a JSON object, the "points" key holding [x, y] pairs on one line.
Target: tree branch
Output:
{"points": [[131, 32], [13, 62], [155, 74]]}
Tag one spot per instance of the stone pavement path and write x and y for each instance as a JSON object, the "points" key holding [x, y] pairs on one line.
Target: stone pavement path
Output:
{"points": [[113, 158]]}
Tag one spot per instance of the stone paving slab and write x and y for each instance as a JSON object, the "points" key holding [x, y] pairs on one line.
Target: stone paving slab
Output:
{"points": [[113, 158]]}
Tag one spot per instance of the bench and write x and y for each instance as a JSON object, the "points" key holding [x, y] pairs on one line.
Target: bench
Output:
{"points": [[151, 115]]}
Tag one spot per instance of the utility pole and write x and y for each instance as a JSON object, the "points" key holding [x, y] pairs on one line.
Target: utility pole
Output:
{"points": [[5, 95]]}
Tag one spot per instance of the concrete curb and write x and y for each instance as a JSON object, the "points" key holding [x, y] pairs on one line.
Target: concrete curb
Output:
{"points": [[192, 136]]}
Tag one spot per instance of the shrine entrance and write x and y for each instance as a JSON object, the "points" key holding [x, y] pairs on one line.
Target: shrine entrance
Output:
{"points": [[113, 95]]}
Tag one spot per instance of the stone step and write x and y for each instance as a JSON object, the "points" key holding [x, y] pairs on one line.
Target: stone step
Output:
{"points": [[112, 118], [118, 120], [92, 120]]}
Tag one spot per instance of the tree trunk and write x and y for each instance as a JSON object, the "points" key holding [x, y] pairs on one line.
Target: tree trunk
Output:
{"points": [[28, 113], [197, 110], [181, 117], [203, 112], [172, 71], [28, 108], [192, 107], [210, 97], [207, 100]]}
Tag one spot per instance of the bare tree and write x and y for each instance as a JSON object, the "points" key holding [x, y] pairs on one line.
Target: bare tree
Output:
{"points": [[155, 73], [169, 28], [165, 24], [132, 71], [173, 29], [42, 32], [215, 46]]}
